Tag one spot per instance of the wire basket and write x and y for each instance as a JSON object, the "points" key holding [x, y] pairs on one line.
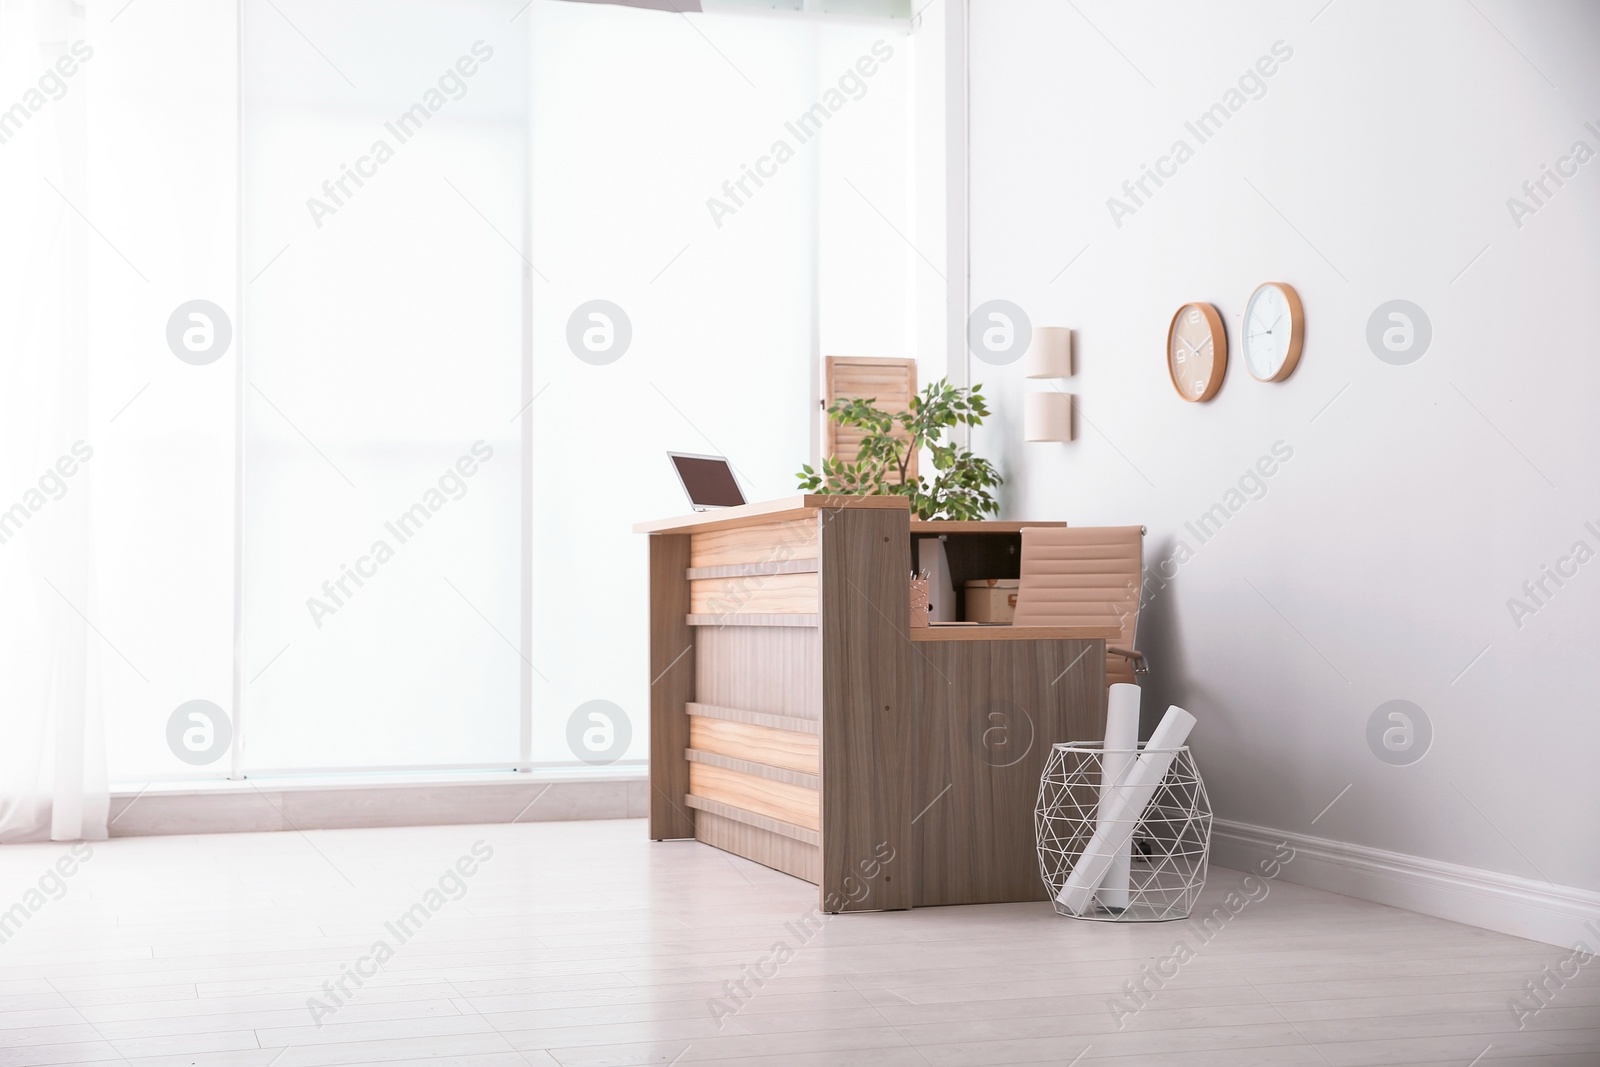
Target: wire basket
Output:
{"points": [[1171, 838]]}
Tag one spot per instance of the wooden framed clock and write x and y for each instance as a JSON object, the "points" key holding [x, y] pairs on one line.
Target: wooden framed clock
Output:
{"points": [[1274, 330], [1197, 352]]}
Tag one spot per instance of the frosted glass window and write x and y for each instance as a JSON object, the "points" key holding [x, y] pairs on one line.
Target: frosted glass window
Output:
{"points": [[410, 218], [642, 124], [385, 173]]}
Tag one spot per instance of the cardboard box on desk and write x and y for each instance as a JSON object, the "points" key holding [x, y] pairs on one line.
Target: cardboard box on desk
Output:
{"points": [[992, 599]]}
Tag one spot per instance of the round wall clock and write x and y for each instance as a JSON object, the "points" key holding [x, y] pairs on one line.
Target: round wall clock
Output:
{"points": [[1197, 352], [1274, 328]]}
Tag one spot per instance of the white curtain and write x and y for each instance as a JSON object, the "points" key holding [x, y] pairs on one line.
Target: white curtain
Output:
{"points": [[52, 746]]}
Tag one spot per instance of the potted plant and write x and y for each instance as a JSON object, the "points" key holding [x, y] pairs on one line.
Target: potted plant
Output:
{"points": [[962, 481]]}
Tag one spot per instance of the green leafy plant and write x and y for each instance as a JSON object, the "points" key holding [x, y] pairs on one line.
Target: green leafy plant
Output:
{"points": [[962, 481]]}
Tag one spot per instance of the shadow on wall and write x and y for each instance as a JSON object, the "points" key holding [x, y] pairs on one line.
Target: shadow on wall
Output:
{"points": [[1223, 717], [1159, 640]]}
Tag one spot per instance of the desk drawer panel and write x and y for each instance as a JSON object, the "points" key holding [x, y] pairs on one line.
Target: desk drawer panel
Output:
{"points": [[758, 744], [756, 594], [778, 800], [770, 542]]}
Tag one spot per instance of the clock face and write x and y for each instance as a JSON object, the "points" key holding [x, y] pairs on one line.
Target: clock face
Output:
{"points": [[1274, 326], [1197, 352]]}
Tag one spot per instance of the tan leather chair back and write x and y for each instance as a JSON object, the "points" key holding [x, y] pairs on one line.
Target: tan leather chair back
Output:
{"points": [[1084, 575]]}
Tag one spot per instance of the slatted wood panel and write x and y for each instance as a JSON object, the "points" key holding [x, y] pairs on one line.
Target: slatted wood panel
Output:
{"points": [[768, 542], [778, 748], [868, 714], [777, 800], [760, 594], [751, 767], [890, 382], [743, 570], [750, 818], [777, 722], [789, 619], [672, 686], [775, 669], [797, 858], [987, 739]]}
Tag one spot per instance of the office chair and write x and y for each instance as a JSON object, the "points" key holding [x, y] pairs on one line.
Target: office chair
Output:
{"points": [[1085, 575]]}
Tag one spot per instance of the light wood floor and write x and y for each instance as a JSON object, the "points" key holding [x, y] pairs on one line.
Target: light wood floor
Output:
{"points": [[582, 943]]}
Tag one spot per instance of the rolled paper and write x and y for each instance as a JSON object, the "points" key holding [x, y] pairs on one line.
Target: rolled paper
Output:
{"points": [[1116, 759], [1116, 827]]}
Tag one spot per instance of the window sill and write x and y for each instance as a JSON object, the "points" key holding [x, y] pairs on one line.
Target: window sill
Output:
{"points": [[284, 783], [341, 802]]}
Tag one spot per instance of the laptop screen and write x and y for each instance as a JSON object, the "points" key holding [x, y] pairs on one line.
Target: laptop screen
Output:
{"points": [[708, 481]]}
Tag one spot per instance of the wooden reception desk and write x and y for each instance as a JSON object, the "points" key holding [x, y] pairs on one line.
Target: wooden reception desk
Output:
{"points": [[797, 719]]}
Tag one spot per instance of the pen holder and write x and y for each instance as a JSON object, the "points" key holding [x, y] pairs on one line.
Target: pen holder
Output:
{"points": [[1170, 843], [919, 601]]}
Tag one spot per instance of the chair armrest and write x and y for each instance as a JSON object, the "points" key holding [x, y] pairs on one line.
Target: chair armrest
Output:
{"points": [[1140, 664]]}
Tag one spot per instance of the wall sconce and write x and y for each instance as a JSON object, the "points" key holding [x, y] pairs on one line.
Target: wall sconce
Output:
{"points": [[1049, 353], [1047, 416]]}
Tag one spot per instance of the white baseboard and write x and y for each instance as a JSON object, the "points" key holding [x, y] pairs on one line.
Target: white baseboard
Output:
{"points": [[1539, 911]]}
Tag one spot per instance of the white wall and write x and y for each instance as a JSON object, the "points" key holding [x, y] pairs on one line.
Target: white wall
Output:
{"points": [[1378, 561]]}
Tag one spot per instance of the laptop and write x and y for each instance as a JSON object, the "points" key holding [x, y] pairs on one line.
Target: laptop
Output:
{"points": [[708, 480]]}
